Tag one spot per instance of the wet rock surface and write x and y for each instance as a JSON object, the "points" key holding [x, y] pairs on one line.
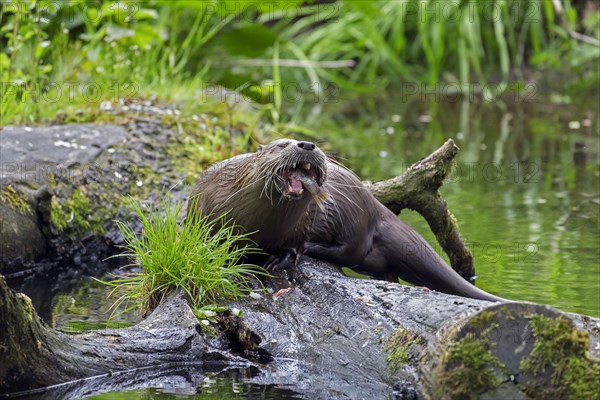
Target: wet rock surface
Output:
{"points": [[63, 186], [29, 154]]}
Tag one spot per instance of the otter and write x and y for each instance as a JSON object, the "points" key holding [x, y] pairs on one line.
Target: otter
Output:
{"points": [[289, 196]]}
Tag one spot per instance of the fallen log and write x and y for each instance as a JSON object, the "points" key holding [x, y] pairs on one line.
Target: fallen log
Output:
{"points": [[33, 355], [415, 343], [351, 337]]}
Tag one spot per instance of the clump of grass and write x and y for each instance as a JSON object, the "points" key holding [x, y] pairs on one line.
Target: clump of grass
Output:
{"points": [[200, 257]]}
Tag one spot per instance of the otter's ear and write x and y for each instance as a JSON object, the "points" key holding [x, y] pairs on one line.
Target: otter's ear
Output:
{"points": [[260, 147]]}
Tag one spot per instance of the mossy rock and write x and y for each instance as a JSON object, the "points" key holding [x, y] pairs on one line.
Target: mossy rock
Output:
{"points": [[21, 239], [398, 347], [516, 351]]}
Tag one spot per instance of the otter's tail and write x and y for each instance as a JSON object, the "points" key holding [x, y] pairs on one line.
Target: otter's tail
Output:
{"points": [[419, 264]]}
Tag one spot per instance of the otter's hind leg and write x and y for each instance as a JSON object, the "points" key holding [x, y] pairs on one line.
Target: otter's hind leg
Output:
{"points": [[340, 253]]}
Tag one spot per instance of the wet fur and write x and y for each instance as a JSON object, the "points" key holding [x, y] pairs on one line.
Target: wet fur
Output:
{"points": [[245, 187]]}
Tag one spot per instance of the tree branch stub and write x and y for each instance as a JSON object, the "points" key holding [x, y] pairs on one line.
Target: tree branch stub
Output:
{"points": [[418, 189]]}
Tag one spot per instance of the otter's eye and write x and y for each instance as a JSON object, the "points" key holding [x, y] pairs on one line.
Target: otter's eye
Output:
{"points": [[283, 145]]}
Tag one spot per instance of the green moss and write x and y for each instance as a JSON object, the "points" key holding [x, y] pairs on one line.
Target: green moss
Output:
{"points": [[15, 199], [51, 180], [397, 347], [209, 132], [471, 368], [27, 306], [560, 354], [194, 151], [483, 319], [506, 313], [58, 218], [75, 213]]}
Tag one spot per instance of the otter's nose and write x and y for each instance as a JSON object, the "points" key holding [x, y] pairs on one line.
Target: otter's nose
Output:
{"points": [[306, 145]]}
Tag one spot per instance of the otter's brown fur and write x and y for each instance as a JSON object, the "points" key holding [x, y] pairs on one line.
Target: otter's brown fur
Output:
{"points": [[249, 189], [351, 229]]}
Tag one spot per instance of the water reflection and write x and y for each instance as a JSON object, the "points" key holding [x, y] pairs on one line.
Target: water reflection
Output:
{"points": [[280, 379], [73, 302], [231, 384]]}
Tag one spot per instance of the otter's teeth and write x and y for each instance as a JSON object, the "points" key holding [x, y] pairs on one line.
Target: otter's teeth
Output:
{"points": [[294, 166], [307, 166]]}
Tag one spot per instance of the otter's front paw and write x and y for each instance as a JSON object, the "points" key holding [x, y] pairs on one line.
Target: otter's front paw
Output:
{"points": [[282, 259]]}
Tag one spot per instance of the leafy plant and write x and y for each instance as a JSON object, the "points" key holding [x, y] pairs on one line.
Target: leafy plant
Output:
{"points": [[200, 257], [61, 57]]}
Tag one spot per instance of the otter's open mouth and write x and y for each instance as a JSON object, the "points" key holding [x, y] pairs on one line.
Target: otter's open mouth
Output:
{"points": [[297, 180]]}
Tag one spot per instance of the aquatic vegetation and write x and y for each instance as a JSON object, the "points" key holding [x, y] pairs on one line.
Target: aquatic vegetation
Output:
{"points": [[200, 258]]}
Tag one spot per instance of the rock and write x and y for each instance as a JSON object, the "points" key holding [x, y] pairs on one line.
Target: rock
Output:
{"points": [[31, 158], [63, 186], [21, 239], [29, 154]]}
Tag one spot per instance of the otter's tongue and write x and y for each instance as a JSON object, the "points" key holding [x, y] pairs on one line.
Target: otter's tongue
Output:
{"points": [[299, 181], [295, 185]]}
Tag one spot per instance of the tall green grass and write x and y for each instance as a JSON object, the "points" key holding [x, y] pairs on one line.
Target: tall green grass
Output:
{"points": [[55, 60], [428, 40], [199, 257]]}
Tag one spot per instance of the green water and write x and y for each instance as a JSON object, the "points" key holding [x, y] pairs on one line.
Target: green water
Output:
{"points": [[525, 190], [210, 388]]}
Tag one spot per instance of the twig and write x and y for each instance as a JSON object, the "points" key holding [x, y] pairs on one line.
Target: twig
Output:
{"points": [[584, 38], [295, 63]]}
